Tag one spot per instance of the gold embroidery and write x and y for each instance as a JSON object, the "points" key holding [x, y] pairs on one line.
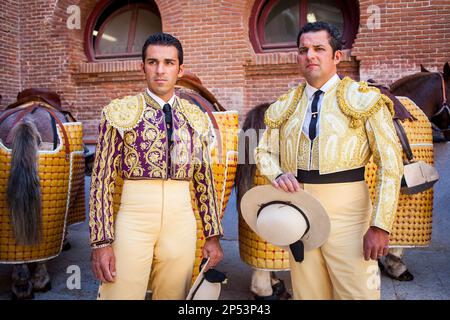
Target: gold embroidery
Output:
{"points": [[150, 101], [370, 101], [125, 113], [341, 147], [274, 117], [155, 151], [131, 156], [180, 150], [205, 189], [107, 168], [363, 87], [303, 152], [197, 119]]}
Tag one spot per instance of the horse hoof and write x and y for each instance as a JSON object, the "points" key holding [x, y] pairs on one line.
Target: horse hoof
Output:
{"points": [[22, 292], [279, 289], [405, 276], [47, 287], [66, 246], [14, 297]]}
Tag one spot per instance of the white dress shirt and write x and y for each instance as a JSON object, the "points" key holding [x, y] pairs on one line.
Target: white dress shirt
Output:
{"points": [[160, 101], [310, 90]]}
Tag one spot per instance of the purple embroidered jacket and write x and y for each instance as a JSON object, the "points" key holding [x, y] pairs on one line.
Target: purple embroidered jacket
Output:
{"points": [[142, 152]]}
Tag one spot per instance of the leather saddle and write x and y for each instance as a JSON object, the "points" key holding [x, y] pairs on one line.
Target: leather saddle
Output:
{"points": [[37, 95]]}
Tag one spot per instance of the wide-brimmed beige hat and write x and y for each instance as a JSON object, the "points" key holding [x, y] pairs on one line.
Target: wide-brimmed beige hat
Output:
{"points": [[283, 218], [207, 285]]}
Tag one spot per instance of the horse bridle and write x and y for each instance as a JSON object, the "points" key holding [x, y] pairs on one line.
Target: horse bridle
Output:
{"points": [[31, 107], [444, 105]]}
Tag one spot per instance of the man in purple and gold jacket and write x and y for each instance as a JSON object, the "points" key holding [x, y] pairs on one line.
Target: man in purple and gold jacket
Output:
{"points": [[157, 143]]}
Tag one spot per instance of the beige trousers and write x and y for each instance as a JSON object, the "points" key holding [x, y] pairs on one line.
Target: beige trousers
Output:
{"points": [[155, 236], [337, 270]]}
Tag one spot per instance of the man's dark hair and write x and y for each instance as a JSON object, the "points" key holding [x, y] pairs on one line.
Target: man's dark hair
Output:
{"points": [[163, 39], [335, 35]]}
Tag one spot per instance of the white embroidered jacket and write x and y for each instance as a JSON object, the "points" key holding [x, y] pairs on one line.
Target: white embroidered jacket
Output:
{"points": [[355, 124]]}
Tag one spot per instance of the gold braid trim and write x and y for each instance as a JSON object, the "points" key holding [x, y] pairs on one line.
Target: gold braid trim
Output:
{"points": [[196, 117], [275, 120], [126, 113], [389, 104], [358, 116]]}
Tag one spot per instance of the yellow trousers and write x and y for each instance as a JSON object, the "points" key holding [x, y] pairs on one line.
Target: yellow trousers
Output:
{"points": [[155, 237], [337, 270]]}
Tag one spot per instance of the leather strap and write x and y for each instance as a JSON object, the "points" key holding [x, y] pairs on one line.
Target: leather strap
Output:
{"points": [[50, 110], [63, 130], [444, 96], [403, 140]]}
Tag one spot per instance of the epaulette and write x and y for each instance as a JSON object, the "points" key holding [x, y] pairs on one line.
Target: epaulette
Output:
{"points": [[195, 116], [280, 111], [125, 113], [359, 101]]}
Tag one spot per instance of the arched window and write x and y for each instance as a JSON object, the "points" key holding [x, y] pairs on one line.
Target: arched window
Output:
{"points": [[118, 29], [274, 24]]}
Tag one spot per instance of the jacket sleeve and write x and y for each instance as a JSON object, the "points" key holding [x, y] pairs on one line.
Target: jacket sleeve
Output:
{"points": [[267, 154], [205, 195], [106, 169], [387, 155]]}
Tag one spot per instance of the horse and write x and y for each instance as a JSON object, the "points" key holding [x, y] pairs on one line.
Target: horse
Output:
{"points": [[263, 278], [35, 131], [429, 90]]}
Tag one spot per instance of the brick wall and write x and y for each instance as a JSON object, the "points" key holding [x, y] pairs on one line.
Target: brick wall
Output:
{"points": [[39, 50], [411, 33], [9, 46]]}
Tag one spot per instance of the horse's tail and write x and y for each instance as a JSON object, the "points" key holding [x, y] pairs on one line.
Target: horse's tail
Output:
{"points": [[246, 171], [23, 191]]}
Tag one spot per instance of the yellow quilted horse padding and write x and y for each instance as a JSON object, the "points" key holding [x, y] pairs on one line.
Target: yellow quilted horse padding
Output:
{"points": [[60, 186]]}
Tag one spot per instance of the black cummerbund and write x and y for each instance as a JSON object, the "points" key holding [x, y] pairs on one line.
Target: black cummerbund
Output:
{"points": [[313, 176]]}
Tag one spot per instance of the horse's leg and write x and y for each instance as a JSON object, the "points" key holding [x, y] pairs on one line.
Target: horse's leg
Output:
{"points": [[41, 278], [21, 287], [262, 286], [394, 266], [66, 244], [278, 287]]}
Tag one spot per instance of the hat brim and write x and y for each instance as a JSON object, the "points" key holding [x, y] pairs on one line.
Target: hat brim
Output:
{"points": [[209, 291], [317, 216]]}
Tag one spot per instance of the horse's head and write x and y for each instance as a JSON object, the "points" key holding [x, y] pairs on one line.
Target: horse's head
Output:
{"points": [[441, 118], [431, 92]]}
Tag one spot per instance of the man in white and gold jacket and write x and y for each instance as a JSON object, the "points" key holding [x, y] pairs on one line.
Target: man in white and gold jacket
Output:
{"points": [[319, 137]]}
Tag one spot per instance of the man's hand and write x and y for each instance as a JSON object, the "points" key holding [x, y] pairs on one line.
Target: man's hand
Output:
{"points": [[104, 264], [212, 250], [287, 182], [375, 243]]}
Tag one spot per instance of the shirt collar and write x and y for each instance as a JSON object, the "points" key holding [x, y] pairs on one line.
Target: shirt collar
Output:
{"points": [[160, 101], [310, 90]]}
